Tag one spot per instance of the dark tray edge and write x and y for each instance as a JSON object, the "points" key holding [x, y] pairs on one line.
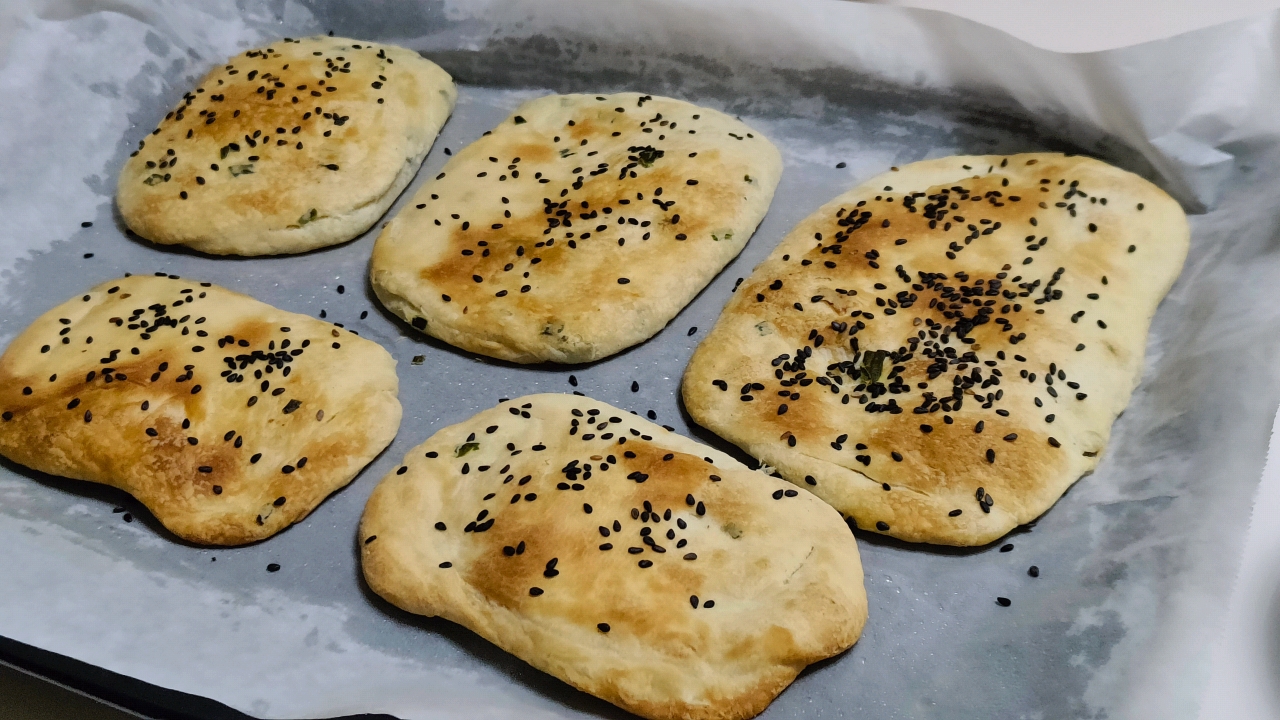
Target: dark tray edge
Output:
{"points": [[148, 701]]}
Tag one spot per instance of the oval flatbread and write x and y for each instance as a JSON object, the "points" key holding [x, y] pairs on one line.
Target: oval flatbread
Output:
{"points": [[633, 563], [228, 418], [940, 352], [578, 227], [287, 148]]}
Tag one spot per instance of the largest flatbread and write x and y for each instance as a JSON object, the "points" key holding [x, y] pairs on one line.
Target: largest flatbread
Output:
{"points": [[580, 226], [940, 352]]}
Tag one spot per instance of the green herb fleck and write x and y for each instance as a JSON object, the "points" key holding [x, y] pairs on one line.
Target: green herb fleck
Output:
{"points": [[873, 365], [155, 178], [307, 217], [238, 170], [646, 155], [566, 152], [465, 448], [419, 359]]}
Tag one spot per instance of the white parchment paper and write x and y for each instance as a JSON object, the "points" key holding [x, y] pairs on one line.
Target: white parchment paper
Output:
{"points": [[1136, 560]]}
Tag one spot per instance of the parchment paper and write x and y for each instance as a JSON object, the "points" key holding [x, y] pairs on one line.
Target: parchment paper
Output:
{"points": [[1135, 560]]}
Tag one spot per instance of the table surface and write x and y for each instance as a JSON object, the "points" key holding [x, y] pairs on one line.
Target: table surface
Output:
{"points": [[1245, 680]]}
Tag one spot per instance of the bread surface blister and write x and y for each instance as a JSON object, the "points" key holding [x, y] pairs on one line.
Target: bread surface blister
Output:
{"points": [[287, 148], [227, 418], [578, 227], [631, 562], [940, 352]]}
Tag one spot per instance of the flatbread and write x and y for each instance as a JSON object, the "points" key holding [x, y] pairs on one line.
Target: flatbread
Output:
{"points": [[1069, 258], [579, 227], [288, 148], [228, 418], [499, 524]]}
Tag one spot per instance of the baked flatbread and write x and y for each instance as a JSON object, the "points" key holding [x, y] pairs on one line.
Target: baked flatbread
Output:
{"points": [[579, 227], [632, 563], [287, 148], [940, 352], [228, 418]]}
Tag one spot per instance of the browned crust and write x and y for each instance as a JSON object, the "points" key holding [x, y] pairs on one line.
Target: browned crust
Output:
{"points": [[784, 572], [831, 274], [286, 148], [77, 409], [481, 260]]}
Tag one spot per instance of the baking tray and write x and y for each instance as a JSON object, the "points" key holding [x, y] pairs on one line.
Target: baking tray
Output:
{"points": [[95, 589]]}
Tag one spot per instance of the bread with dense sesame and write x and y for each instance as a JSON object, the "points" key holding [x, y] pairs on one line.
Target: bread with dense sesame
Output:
{"points": [[288, 148], [631, 562], [940, 352], [227, 418], [579, 227]]}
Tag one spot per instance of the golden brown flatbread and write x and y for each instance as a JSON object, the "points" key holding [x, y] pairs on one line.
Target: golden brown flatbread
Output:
{"points": [[228, 418], [287, 148], [940, 352], [579, 227], [629, 561]]}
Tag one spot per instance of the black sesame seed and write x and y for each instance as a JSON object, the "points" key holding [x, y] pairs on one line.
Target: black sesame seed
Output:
{"points": [[882, 526], [1003, 601], [1033, 571], [273, 567]]}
